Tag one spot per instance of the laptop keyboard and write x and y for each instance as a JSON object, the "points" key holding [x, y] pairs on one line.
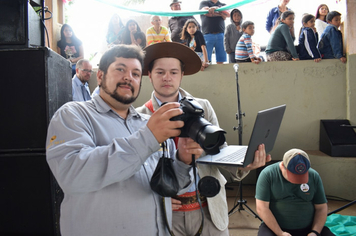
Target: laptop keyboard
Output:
{"points": [[234, 157]]}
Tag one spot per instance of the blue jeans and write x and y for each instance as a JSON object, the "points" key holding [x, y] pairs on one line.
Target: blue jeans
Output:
{"points": [[215, 41]]}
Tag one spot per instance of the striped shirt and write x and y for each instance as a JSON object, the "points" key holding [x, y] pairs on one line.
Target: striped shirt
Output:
{"points": [[152, 37], [244, 49]]}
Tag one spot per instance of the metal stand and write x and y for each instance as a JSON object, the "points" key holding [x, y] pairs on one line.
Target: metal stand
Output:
{"points": [[342, 208], [241, 202]]}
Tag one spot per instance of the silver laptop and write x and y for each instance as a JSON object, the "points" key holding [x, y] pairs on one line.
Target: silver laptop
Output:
{"points": [[264, 131]]}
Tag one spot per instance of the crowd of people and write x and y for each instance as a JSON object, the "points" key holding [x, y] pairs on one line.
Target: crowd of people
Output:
{"points": [[103, 151]]}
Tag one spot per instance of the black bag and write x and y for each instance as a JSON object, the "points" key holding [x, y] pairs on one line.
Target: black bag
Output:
{"points": [[164, 180]]}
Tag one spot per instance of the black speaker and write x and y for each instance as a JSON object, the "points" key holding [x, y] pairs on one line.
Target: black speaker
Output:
{"points": [[337, 138], [29, 199], [35, 82], [20, 25]]}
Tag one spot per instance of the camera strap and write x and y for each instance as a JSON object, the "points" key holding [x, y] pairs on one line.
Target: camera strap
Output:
{"points": [[200, 230]]}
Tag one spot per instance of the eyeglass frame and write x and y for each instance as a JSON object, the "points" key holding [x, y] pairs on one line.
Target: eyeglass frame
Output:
{"points": [[86, 71]]}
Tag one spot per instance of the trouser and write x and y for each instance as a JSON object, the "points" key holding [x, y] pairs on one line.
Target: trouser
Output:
{"points": [[265, 231], [187, 223]]}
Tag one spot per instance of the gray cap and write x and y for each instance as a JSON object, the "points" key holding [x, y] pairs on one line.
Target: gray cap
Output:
{"points": [[174, 1]]}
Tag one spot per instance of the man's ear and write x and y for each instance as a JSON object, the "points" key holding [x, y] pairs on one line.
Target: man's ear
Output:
{"points": [[99, 77], [149, 76]]}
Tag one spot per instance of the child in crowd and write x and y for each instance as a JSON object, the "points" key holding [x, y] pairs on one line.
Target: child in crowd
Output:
{"points": [[157, 33], [308, 40], [195, 40], [320, 18], [330, 45], [244, 51], [280, 46], [233, 33]]}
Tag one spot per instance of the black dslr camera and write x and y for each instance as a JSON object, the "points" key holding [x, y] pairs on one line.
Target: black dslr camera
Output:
{"points": [[209, 137]]}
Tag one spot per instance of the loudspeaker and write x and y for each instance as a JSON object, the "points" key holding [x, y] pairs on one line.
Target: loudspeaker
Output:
{"points": [[35, 82], [29, 198], [337, 138], [20, 25]]}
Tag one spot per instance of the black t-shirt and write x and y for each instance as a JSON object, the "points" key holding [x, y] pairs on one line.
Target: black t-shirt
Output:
{"points": [[212, 24], [199, 41], [74, 46]]}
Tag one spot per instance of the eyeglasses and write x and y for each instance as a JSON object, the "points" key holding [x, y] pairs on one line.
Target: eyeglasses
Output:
{"points": [[86, 71]]}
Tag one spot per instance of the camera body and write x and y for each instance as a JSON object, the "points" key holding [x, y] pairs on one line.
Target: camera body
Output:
{"points": [[209, 137]]}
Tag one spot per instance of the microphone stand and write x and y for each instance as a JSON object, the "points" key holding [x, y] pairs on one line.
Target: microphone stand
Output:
{"points": [[241, 202]]}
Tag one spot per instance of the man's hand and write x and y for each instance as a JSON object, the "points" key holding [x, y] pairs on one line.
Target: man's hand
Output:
{"points": [[187, 147], [176, 204], [160, 125], [343, 59], [260, 159]]}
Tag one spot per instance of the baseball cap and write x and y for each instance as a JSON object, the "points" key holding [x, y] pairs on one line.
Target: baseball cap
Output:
{"points": [[297, 164], [191, 61]]}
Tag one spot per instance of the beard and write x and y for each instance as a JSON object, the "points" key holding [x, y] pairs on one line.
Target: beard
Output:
{"points": [[118, 97]]}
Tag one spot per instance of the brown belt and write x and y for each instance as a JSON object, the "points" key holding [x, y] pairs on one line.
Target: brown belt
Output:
{"points": [[189, 201]]}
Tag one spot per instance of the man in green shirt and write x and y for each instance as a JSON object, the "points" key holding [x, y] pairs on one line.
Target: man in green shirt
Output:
{"points": [[290, 198]]}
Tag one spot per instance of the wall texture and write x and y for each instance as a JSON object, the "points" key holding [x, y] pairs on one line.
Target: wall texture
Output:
{"points": [[311, 91]]}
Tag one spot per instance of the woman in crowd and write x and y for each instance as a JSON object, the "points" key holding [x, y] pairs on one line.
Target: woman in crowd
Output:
{"points": [[115, 30], [233, 33], [195, 40], [70, 47], [275, 13], [320, 16], [133, 35], [280, 46]]}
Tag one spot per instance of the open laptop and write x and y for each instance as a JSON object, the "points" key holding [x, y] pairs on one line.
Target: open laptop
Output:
{"points": [[264, 131]]}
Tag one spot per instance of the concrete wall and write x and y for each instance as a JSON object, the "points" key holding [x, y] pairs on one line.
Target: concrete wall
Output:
{"points": [[312, 91]]}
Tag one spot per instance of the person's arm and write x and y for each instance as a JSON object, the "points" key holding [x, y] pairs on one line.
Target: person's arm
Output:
{"points": [[289, 40], [269, 20], [335, 38], [226, 40], [320, 215], [205, 63], [81, 55], [167, 36], [268, 218], [312, 45], [59, 50]]}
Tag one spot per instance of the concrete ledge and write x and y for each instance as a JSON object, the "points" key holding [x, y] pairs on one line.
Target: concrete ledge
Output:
{"points": [[338, 173]]}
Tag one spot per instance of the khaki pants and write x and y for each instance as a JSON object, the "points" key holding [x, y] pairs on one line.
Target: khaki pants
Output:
{"points": [[188, 224]]}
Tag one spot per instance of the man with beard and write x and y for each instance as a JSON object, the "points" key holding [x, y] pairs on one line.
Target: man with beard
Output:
{"points": [[103, 154], [165, 65], [80, 87]]}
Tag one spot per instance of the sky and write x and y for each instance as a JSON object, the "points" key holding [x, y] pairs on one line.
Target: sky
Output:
{"points": [[89, 18]]}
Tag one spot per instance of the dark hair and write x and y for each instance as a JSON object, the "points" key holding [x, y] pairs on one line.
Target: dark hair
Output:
{"points": [[125, 51], [317, 14], [305, 19], [232, 13], [152, 63], [330, 16], [283, 16], [246, 24], [185, 34], [126, 38], [63, 38]]}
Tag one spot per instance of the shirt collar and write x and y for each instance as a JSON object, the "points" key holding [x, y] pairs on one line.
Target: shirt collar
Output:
{"points": [[78, 82], [160, 102], [103, 107]]}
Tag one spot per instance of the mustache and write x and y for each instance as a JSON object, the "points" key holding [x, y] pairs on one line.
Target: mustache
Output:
{"points": [[125, 84]]}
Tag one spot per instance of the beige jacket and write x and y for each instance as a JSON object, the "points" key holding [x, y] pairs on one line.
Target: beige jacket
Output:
{"points": [[218, 204]]}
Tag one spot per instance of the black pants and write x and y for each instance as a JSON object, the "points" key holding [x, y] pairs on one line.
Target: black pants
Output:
{"points": [[265, 231]]}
